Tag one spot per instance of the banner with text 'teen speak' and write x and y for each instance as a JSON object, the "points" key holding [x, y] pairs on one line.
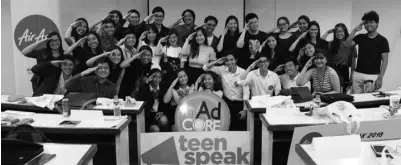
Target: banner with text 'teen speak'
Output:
{"points": [[217, 147]]}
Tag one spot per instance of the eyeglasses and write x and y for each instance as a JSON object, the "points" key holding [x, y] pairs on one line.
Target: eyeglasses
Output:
{"points": [[281, 25]]}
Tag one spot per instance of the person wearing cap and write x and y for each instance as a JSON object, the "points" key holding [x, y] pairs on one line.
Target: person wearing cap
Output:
{"points": [[55, 75], [373, 52], [325, 79], [261, 81]]}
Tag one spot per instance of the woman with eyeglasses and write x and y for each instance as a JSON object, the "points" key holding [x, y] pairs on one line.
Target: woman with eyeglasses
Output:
{"points": [[325, 79], [341, 54]]}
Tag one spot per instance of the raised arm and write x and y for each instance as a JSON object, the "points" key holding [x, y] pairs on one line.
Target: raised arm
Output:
{"points": [[126, 63], [305, 75], [119, 80], [73, 46], [221, 41], [249, 69], [159, 47], [67, 34], [74, 84], [331, 31], [141, 38], [176, 23], [295, 44], [31, 47], [241, 39], [350, 40], [92, 26], [169, 94], [92, 60], [121, 42], [209, 65]]}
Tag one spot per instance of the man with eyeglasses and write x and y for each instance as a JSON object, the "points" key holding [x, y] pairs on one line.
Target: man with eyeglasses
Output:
{"points": [[130, 22], [373, 52], [211, 23], [157, 17], [261, 81]]}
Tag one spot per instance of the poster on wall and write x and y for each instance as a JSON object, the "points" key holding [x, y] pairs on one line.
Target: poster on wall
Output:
{"points": [[219, 147], [31, 21]]}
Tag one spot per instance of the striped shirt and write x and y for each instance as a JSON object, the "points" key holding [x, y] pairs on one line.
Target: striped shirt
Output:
{"points": [[322, 86]]}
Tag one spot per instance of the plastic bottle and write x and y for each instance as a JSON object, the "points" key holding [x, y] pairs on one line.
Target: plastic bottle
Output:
{"points": [[116, 107]]}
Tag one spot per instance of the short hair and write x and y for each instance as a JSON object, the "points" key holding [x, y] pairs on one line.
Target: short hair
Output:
{"points": [[190, 11], [145, 47], [291, 59], [371, 16], [109, 20], [306, 18], [320, 52], [152, 27], [155, 70], [250, 16], [208, 18], [134, 11], [117, 12], [68, 57], [102, 60], [230, 52], [158, 9], [129, 31], [283, 18]]}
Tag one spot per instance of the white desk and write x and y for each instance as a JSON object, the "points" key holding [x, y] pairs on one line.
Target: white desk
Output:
{"points": [[282, 121], [70, 154], [89, 125], [367, 156]]}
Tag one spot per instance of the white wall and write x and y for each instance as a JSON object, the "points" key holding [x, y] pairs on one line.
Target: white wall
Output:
{"points": [[7, 55]]}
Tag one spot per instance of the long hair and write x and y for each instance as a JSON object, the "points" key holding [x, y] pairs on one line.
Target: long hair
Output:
{"points": [[48, 49], [308, 37], [171, 32], [154, 29], [98, 49], [216, 81], [267, 51], [177, 86], [74, 32], [195, 45], [236, 32], [335, 45]]}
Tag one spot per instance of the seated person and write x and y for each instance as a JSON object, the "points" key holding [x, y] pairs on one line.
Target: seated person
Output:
{"points": [[261, 81], [98, 83], [55, 75], [209, 82], [325, 79], [152, 92], [288, 80]]}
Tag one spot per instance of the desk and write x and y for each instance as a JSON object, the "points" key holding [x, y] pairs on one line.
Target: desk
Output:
{"points": [[273, 123], [134, 134], [360, 101], [367, 156], [71, 154], [110, 136]]}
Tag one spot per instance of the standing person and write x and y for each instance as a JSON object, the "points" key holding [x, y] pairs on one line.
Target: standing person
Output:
{"points": [[152, 92], [211, 23], [269, 51], [249, 41], [106, 34], [184, 30], [197, 52], [341, 55], [311, 36], [97, 83], [235, 95], [261, 81], [53, 50], [130, 22], [76, 31], [156, 18], [84, 49], [55, 75], [303, 25], [324, 78], [284, 40], [228, 40], [151, 37], [128, 44], [373, 52], [136, 67], [178, 89]]}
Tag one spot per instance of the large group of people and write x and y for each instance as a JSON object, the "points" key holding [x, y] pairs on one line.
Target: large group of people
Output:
{"points": [[125, 56]]}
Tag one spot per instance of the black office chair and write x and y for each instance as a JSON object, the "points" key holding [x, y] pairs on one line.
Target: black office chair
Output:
{"points": [[89, 104], [27, 133]]}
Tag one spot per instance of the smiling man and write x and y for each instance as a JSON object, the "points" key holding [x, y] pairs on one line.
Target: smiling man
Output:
{"points": [[288, 80], [106, 34], [184, 30], [373, 52], [211, 23], [55, 75], [97, 83]]}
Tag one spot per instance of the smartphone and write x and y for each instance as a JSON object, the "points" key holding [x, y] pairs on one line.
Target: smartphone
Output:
{"points": [[41, 159], [69, 123], [378, 149]]}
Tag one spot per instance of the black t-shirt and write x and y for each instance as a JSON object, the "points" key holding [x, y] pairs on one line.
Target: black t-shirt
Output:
{"points": [[230, 43], [134, 72], [282, 49], [244, 56], [370, 53], [81, 55]]}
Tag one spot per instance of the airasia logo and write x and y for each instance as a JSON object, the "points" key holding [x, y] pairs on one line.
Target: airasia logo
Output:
{"points": [[32, 29]]}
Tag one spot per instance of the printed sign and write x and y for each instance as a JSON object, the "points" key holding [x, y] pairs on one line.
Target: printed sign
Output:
{"points": [[202, 111], [368, 131], [196, 148], [32, 29]]}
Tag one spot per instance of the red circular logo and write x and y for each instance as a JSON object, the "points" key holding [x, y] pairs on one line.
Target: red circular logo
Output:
{"points": [[202, 111], [32, 29]]}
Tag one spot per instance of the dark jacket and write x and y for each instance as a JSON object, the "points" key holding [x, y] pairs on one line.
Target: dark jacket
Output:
{"points": [[134, 72], [144, 94], [90, 84]]}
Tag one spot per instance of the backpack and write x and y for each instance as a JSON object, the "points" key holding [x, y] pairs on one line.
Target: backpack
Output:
{"points": [[27, 133]]}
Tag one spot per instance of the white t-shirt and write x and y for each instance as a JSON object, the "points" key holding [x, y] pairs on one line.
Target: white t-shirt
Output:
{"points": [[173, 52]]}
